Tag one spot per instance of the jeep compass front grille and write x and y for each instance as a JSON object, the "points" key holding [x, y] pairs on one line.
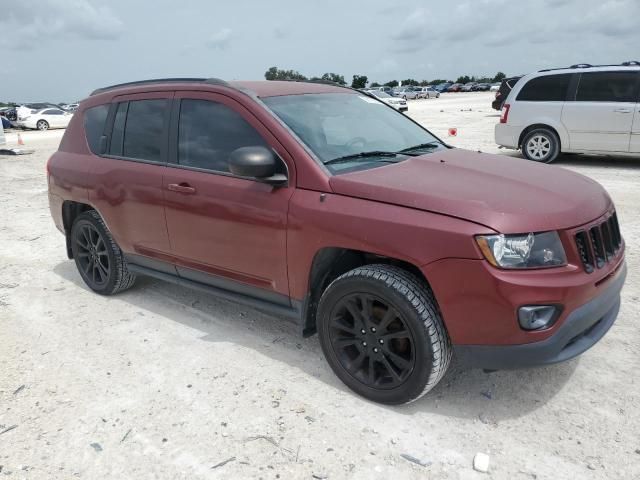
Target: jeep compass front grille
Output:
{"points": [[599, 244]]}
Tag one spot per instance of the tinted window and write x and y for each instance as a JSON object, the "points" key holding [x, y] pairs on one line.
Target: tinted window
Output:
{"points": [[607, 87], [143, 130], [550, 88], [117, 135], [52, 112], [94, 119], [209, 132]]}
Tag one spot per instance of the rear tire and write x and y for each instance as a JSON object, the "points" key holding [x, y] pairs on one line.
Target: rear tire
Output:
{"points": [[42, 125], [541, 145], [98, 258], [382, 334]]}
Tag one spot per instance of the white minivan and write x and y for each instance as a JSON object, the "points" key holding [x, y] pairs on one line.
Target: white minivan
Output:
{"points": [[580, 109]]}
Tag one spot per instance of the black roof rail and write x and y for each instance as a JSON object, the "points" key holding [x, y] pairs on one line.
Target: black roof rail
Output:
{"points": [[212, 81], [630, 63]]}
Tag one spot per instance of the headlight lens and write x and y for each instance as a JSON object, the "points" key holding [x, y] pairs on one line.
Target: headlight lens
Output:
{"points": [[530, 250]]}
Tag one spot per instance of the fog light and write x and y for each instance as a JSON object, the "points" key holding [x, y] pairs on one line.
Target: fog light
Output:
{"points": [[537, 317]]}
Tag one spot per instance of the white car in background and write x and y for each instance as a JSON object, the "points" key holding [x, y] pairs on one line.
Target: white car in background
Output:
{"points": [[43, 119], [494, 87], [399, 104], [427, 92], [3, 140]]}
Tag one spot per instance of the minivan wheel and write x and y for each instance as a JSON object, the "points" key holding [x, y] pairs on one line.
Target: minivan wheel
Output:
{"points": [[382, 335], [42, 125], [541, 145], [97, 256]]}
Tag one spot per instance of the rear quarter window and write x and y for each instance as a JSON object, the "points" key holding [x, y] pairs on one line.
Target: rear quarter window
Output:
{"points": [[549, 88], [94, 120]]}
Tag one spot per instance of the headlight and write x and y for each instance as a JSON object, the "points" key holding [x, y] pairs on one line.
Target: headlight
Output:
{"points": [[531, 250]]}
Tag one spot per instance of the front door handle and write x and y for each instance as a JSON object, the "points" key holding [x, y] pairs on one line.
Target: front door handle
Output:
{"points": [[622, 110], [181, 188]]}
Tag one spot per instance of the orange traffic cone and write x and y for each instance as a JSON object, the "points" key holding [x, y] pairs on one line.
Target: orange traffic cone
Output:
{"points": [[20, 141]]}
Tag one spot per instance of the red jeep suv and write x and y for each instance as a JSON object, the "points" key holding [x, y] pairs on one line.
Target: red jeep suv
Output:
{"points": [[323, 205]]}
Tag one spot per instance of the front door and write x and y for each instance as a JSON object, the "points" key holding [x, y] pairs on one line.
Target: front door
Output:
{"points": [[226, 231], [600, 118]]}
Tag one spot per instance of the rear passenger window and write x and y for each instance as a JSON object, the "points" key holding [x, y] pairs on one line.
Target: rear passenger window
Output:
{"points": [[209, 132], [143, 130], [607, 87], [94, 119], [550, 88]]}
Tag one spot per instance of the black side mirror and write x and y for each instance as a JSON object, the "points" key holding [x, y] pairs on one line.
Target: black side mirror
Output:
{"points": [[258, 163]]}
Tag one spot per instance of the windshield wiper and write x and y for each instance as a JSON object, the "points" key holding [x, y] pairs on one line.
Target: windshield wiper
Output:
{"points": [[372, 153], [422, 146]]}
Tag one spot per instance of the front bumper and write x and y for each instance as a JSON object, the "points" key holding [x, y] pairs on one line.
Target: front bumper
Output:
{"points": [[581, 329]]}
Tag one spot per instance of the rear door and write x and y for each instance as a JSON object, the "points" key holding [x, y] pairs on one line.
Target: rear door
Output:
{"points": [[127, 179], [601, 116]]}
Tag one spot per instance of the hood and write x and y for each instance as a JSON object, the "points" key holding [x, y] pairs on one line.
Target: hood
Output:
{"points": [[509, 195]]}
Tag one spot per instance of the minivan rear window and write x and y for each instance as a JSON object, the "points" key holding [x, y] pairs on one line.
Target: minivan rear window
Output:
{"points": [[94, 119], [549, 88], [608, 87]]}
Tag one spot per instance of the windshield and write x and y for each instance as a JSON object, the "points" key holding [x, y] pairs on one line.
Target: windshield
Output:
{"points": [[380, 94], [338, 125]]}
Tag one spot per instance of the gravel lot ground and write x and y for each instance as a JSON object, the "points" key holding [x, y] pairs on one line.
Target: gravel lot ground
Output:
{"points": [[163, 382]]}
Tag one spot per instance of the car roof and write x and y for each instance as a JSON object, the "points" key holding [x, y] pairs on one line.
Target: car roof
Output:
{"points": [[274, 88], [261, 88]]}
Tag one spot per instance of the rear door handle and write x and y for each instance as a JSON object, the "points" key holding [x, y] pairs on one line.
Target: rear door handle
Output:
{"points": [[622, 110], [181, 188]]}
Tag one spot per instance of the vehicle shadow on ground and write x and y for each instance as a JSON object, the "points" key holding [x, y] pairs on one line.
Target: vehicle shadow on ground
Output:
{"points": [[462, 393], [619, 163]]}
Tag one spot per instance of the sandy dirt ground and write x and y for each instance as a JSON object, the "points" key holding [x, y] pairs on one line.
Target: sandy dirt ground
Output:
{"points": [[163, 382]]}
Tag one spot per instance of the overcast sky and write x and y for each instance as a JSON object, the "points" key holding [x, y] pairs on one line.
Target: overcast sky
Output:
{"points": [[60, 50]]}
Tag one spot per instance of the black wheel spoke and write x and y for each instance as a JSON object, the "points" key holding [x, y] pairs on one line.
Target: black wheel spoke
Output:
{"points": [[356, 314], [398, 334], [389, 316], [345, 342], [341, 323], [371, 374], [104, 273], [397, 359], [87, 267], [390, 368]]}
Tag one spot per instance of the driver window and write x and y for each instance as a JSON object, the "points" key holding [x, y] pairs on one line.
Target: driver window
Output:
{"points": [[209, 132]]}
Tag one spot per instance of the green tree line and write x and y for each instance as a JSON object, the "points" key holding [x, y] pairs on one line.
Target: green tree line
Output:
{"points": [[360, 81]]}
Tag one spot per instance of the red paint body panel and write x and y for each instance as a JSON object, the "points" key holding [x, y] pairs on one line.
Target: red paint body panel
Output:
{"points": [[390, 230], [506, 194]]}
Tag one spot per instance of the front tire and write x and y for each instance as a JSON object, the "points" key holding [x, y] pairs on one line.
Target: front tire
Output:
{"points": [[98, 258], [382, 334], [42, 125], [541, 145]]}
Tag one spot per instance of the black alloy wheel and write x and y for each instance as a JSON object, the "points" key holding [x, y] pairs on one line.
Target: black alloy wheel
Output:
{"points": [[371, 341]]}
